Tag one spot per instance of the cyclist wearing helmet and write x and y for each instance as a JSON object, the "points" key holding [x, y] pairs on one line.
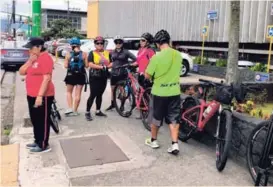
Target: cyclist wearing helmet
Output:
{"points": [[99, 60], [144, 55], [164, 68], [75, 62], [120, 56]]}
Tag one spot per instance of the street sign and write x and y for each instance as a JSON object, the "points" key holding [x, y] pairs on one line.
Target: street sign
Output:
{"points": [[262, 77], [269, 32], [212, 15], [205, 31]]}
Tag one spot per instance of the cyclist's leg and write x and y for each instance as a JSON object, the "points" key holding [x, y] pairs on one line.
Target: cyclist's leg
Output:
{"points": [[172, 118], [100, 90], [113, 81], [93, 93], [77, 100], [69, 97], [156, 116]]}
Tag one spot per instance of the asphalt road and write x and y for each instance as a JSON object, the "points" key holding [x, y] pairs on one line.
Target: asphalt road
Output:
{"points": [[194, 166]]}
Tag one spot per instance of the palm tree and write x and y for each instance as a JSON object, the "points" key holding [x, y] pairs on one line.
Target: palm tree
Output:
{"points": [[232, 74]]}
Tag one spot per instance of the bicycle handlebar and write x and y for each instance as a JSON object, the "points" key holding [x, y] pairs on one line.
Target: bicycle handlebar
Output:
{"points": [[123, 66], [210, 83]]}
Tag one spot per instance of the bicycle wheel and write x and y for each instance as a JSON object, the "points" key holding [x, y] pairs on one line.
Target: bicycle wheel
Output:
{"points": [[145, 113], [123, 94], [58, 115], [186, 130], [223, 140], [55, 109], [54, 123], [255, 146]]}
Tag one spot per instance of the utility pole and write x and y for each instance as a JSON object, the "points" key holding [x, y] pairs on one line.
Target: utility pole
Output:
{"points": [[8, 16], [13, 18], [68, 9]]}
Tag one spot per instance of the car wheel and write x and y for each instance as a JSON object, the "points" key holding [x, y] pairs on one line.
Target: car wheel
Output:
{"points": [[185, 68]]}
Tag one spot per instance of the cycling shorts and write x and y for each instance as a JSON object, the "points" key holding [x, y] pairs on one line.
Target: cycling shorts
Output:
{"points": [[164, 108]]}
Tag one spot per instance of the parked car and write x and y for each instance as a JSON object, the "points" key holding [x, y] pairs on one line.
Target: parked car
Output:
{"points": [[60, 49], [85, 42], [13, 54], [56, 44]]}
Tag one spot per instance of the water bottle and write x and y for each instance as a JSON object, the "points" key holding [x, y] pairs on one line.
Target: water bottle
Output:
{"points": [[126, 89]]}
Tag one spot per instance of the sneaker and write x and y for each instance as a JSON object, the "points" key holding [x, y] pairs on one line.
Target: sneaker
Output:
{"points": [[31, 145], [174, 149], [88, 116], [68, 111], [110, 107], [101, 114], [153, 144], [40, 150], [74, 114]]}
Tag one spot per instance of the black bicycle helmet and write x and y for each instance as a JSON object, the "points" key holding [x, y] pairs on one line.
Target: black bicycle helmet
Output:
{"points": [[147, 36], [162, 36]]}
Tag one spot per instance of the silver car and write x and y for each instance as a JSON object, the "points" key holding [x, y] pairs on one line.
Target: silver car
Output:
{"points": [[13, 54]]}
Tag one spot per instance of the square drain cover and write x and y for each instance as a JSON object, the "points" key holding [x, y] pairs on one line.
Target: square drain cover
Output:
{"points": [[92, 150]]}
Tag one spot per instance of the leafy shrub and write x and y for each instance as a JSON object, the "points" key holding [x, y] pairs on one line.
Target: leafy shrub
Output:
{"points": [[259, 98], [259, 67], [221, 63], [197, 60]]}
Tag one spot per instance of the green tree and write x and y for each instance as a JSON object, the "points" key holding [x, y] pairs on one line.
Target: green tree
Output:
{"points": [[232, 75], [61, 28]]}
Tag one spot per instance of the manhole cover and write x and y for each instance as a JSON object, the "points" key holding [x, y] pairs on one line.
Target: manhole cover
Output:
{"points": [[92, 150]]}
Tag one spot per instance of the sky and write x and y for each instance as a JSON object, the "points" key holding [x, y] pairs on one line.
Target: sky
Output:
{"points": [[23, 7]]}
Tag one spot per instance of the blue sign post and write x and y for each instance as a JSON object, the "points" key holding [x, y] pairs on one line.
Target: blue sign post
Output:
{"points": [[204, 34]]}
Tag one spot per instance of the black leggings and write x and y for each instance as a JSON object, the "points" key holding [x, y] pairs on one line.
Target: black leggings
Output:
{"points": [[97, 88], [40, 118]]}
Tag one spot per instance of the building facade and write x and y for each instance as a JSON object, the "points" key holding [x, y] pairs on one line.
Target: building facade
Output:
{"points": [[184, 19], [77, 18]]}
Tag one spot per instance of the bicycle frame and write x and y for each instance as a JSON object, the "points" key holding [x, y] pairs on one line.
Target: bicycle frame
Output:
{"points": [[201, 121], [137, 88]]}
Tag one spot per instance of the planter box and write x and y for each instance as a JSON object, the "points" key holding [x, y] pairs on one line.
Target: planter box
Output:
{"points": [[246, 75]]}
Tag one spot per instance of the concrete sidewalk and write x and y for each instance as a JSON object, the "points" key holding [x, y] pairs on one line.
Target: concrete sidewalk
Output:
{"points": [[194, 166]]}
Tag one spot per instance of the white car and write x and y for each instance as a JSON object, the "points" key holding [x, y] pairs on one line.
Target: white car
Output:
{"points": [[132, 44]]}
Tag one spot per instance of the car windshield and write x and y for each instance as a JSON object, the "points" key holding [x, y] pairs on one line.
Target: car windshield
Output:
{"points": [[14, 44]]}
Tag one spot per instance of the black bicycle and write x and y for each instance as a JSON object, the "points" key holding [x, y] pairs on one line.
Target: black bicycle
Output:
{"points": [[55, 117], [260, 153]]}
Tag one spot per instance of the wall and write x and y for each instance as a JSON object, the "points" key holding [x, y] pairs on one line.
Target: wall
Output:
{"points": [[183, 19], [92, 19]]}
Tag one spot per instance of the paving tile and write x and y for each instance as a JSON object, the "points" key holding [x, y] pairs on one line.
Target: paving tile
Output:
{"points": [[92, 150]]}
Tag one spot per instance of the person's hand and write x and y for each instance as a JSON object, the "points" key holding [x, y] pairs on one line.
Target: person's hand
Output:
{"points": [[32, 58], [38, 101], [104, 68]]}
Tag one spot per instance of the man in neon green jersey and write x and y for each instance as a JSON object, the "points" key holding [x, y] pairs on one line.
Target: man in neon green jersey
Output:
{"points": [[164, 68]]}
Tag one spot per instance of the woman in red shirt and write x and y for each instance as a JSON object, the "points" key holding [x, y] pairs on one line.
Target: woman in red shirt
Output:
{"points": [[40, 92], [144, 55]]}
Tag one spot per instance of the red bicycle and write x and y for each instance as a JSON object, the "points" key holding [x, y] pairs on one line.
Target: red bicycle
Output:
{"points": [[131, 90], [197, 113]]}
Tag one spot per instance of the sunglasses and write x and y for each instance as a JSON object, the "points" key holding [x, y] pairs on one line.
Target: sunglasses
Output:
{"points": [[99, 43], [143, 40], [118, 42]]}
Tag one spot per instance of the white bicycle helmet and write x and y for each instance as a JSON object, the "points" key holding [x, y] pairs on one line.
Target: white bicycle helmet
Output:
{"points": [[118, 37]]}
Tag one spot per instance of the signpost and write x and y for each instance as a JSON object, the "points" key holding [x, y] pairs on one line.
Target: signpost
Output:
{"points": [[269, 35], [36, 17], [204, 35]]}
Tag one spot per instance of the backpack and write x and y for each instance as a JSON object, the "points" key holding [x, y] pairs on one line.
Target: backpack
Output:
{"points": [[76, 64]]}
